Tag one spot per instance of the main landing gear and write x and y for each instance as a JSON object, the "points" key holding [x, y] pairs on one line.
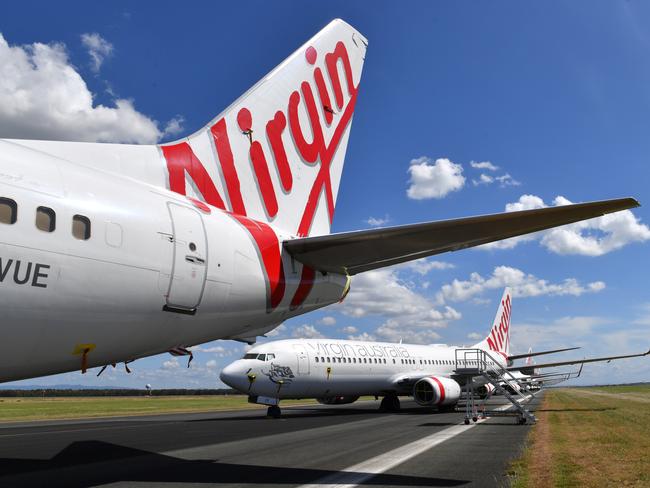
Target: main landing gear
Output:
{"points": [[390, 403], [274, 412]]}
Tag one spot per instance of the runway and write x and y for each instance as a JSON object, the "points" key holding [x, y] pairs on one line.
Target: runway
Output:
{"points": [[317, 445]]}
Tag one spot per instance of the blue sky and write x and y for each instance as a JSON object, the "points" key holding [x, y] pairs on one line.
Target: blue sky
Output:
{"points": [[555, 96]]}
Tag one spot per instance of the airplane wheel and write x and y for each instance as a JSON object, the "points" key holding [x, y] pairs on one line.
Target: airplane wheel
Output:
{"points": [[274, 412], [466, 421], [474, 419], [389, 403]]}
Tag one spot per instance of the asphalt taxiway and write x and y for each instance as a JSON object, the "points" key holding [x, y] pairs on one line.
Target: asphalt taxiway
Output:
{"points": [[317, 445]]}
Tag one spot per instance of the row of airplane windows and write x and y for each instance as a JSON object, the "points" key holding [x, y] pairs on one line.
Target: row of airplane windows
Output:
{"points": [[381, 360], [45, 219]]}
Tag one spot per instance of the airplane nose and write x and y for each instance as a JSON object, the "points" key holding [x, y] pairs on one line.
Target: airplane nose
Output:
{"points": [[233, 376]]}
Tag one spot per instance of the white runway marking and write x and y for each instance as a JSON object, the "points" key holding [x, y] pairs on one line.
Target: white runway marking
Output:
{"points": [[354, 475]]}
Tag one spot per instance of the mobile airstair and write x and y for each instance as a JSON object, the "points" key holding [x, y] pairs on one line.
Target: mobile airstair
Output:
{"points": [[472, 363]]}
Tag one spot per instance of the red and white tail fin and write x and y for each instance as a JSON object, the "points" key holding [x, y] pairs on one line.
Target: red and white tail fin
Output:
{"points": [[498, 340], [529, 359], [276, 154]]}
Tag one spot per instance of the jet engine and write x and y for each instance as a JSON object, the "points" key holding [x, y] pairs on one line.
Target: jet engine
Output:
{"points": [[484, 390], [337, 400], [436, 391]]}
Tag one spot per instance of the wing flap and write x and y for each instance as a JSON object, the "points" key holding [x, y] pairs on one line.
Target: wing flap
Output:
{"points": [[355, 252]]}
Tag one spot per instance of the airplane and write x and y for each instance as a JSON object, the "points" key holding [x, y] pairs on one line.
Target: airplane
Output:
{"points": [[114, 252], [340, 371]]}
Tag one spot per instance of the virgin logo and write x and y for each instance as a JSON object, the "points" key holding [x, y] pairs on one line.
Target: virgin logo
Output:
{"points": [[181, 161], [500, 334]]}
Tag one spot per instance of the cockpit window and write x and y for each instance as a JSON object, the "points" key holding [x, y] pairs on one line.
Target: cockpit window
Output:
{"points": [[260, 357]]}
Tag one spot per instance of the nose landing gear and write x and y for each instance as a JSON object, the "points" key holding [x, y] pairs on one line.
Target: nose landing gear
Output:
{"points": [[390, 403]]}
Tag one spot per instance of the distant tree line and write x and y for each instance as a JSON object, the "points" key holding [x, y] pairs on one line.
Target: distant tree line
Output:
{"points": [[52, 392]]}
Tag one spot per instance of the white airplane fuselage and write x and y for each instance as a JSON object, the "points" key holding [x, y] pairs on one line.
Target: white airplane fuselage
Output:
{"points": [[325, 368], [149, 249]]}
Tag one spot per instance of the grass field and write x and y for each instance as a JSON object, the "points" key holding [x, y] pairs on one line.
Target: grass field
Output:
{"points": [[18, 409], [595, 437]]}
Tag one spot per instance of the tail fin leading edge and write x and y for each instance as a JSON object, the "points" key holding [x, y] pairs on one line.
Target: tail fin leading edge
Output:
{"points": [[498, 340], [276, 154]]}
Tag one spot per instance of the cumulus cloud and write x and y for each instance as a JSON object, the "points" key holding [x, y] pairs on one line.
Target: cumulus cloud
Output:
{"points": [[279, 330], [483, 165], [350, 329], [307, 331], [42, 96], [507, 180], [362, 337], [424, 266], [475, 336], [437, 179], [407, 315], [377, 222], [170, 364], [211, 364], [483, 179], [593, 237], [328, 320], [98, 49], [521, 283]]}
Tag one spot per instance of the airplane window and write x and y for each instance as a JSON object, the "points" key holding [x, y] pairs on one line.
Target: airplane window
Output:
{"points": [[322, 359], [261, 357], [364, 360], [338, 360], [375, 361], [354, 360], [250, 356], [45, 219], [8, 211], [81, 227], [328, 360], [270, 356], [316, 358], [393, 361]]}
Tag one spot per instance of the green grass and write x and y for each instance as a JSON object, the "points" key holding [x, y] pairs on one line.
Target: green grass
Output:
{"points": [[19, 409], [583, 439]]}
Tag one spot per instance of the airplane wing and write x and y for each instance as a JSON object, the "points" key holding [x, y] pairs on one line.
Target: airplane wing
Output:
{"points": [[526, 369], [355, 252], [540, 353]]}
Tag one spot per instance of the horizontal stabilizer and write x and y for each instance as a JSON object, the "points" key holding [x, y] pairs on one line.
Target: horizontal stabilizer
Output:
{"points": [[530, 370], [541, 353], [355, 252]]}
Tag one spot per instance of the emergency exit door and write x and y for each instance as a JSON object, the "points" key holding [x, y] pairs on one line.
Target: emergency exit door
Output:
{"points": [[190, 259], [303, 359]]}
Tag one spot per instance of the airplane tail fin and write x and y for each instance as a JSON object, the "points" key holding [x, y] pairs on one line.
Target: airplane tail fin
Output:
{"points": [[498, 340], [276, 154]]}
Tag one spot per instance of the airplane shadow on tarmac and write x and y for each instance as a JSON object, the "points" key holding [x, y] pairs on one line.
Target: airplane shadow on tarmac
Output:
{"points": [[89, 463]]}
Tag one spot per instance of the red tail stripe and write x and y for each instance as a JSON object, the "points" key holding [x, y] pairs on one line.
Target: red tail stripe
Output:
{"points": [[224, 152], [269, 247], [180, 158], [305, 286]]}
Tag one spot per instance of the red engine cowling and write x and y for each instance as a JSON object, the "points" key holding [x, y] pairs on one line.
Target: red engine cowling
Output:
{"points": [[485, 390], [337, 400], [436, 391]]}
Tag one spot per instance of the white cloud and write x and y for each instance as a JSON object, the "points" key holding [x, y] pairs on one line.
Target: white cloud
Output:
{"points": [[484, 165], [328, 320], [644, 317], [434, 180], [307, 331], [170, 364], [280, 329], [174, 126], [483, 180], [211, 364], [507, 180], [362, 337], [593, 237], [475, 336], [408, 315], [424, 266], [350, 329], [42, 96], [377, 222], [98, 49], [522, 284]]}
